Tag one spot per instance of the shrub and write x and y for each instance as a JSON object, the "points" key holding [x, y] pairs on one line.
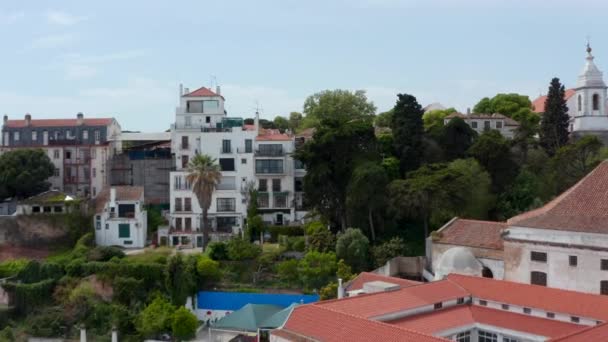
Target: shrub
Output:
{"points": [[208, 270], [330, 291], [10, 268], [386, 251], [184, 324], [353, 247], [275, 231], [317, 269], [218, 251], [127, 289], [320, 238], [156, 318], [75, 268], [105, 253], [288, 271], [255, 226], [28, 297], [239, 249], [47, 322], [292, 243]]}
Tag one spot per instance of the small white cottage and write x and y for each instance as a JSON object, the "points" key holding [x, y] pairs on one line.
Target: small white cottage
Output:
{"points": [[120, 217]]}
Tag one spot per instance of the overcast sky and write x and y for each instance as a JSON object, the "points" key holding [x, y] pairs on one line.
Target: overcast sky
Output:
{"points": [[127, 58]]}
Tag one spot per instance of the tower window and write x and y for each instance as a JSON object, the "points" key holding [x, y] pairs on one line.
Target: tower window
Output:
{"points": [[596, 102], [580, 103]]}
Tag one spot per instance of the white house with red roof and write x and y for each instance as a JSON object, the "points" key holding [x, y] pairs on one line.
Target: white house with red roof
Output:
{"points": [[456, 308], [248, 157], [563, 244]]}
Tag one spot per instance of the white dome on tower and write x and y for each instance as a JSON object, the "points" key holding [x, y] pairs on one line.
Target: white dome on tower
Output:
{"points": [[458, 260], [591, 76]]}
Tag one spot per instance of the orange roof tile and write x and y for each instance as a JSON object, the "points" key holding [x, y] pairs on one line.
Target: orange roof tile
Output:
{"points": [[58, 122], [538, 105], [472, 233], [582, 208], [323, 324], [595, 333], [201, 92], [437, 321], [123, 193], [378, 304], [272, 135], [365, 277], [535, 296]]}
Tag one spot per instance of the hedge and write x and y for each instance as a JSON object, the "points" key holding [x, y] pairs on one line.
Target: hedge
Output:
{"points": [[275, 231]]}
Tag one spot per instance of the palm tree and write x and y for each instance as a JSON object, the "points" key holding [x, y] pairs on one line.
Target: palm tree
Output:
{"points": [[204, 174]]}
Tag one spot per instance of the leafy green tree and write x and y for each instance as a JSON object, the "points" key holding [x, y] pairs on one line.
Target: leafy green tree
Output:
{"points": [[493, 152], [386, 144], [287, 271], [209, 270], [240, 249], [574, 161], [218, 251], [366, 191], [513, 105], [281, 123], [391, 166], [156, 318], [456, 138], [204, 175], [255, 226], [525, 138], [433, 119], [127, 290], [329, 291], [317, 269], [320, 238], [179, 279], [330, 157], [339, 105], [521, 195], [295, 121], [555, 120], [408, 131], [384, 119], [24, 173], [184, 324], [387, 250], [155, 219], [353, 247], [344, 271]]}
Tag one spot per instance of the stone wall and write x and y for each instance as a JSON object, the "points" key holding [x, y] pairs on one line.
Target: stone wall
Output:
{"points": [[36, 231], [404, 267]]}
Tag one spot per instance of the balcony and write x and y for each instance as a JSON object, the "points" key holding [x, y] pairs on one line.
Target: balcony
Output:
{"points": [[64, 142], [206, 128], [280, 199], [224, 150], [242, 150], [77, 161], [270, 152]]}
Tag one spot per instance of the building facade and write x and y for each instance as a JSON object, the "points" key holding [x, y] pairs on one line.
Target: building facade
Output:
{"points": [[79, 148], [485, 122], [249, 158], [120, 218]]}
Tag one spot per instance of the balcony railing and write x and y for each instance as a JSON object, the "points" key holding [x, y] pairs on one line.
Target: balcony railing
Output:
{"points": [[244, 150], [211, 128], [269, 170], [183, 146], [84, 160], [280, 199], [270, 152], [224, 150]]}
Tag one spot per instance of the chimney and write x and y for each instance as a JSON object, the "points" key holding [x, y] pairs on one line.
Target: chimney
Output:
{"points": [[83, 333], [340, 289], [112, 197], [28, 119], [181, 89], [256, 122], [5, 119], [186, 91], [79, 118], [114, 334], [468, 110], [218, 90]]}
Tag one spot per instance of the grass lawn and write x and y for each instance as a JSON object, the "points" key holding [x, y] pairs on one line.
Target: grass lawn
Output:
{"points": [[270, 247], [151, 255]]}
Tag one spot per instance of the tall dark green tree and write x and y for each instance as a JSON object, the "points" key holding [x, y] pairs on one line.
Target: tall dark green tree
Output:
{"points": [[555, 120], [179, 279], [408, 131], [24, 173], [456, 138], [493, 152]]}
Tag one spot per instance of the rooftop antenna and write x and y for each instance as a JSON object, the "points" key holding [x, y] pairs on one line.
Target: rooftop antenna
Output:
{"points": [[212, 81]]}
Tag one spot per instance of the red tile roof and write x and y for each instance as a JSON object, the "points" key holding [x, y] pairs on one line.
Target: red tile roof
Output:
{"points": [[582, 208], [596, 333], [123, 193], [378, 304], [538, 105], [202, 92], [365, 277], [435, 322], [58, 122], [472, 233], [272, 135], [249, 127], [534, 296], [323, 324]]}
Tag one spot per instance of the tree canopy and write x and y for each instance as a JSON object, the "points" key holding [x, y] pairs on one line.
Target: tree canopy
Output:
{"points": [[24, 173], [353, 247], [493, 152], [456, 138], [408, 131], [555, 121], [433, 119], [340, 105]]}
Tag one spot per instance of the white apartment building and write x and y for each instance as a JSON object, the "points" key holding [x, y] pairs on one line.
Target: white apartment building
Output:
{"points": [[247, 156], [120, 217], [485, 122]]}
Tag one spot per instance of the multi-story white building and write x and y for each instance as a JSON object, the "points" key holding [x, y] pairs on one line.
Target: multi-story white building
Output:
{"points": [[120, 217], [247, 156], [79, 148]]}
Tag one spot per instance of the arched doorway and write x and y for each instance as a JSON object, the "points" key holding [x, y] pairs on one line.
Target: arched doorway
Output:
{"points": [[487, 273]]}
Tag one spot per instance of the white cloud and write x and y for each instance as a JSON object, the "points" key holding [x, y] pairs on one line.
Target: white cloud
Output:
{"points": [[76, 72], [8, 18], [62, 18], [53, 41]]}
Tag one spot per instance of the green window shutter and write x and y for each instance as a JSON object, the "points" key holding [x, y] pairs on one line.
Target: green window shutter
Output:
{"points": [[124, 230]]}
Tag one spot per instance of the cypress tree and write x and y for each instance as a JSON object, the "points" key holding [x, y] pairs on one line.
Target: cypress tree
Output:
{"points": [[408, 130], [555, 120]]}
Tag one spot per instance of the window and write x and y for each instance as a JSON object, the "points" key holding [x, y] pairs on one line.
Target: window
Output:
{"points": [[226, 148], [243, 161], [276, 185], [187, 204], [178, 204], [527, 311], [207, 119], [604, 265], [85, 135], [178, 223], [34, 135], [437, 306], [550, 315], [211, 106], [483, 303], [184, 145], [474, 124], [94, 191], [486, 125], [266, 166], [126, 210], [58, 209], [574, 319], [270, 150], [498, 124], [57, 134], [280, 199], [188, 121], [505, 306], [227, 164], [127, 242], [509, 339], [298, 184], [580, 103], [463, 337], [573, 260], [185, 161], [538, 256], [98, 222], [226, 204], [46, 209], [460, 301], [94, 172], [16, 136], [107, 226], [35, 209], [188, 223], [227, 183], [124, 230], [485, 336], [604, 287], [226, 223], [298, 165], [538, 278], [248, 146], [596, 101], [56, 172], [194, 106], [263, 200], [97, 136], [263, 185], [93, 153]]}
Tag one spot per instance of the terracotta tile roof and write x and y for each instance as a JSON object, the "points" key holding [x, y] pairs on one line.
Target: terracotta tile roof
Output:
{"points": [[435, 322], [365, 277], [596, 333], [534, 296], [58, 122], [201, 92], [538, 105], [496, 116], [272, 135], [249, 127], [123, 193], [472, 233], [582, 208], [323, 324], [378, 304]]}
